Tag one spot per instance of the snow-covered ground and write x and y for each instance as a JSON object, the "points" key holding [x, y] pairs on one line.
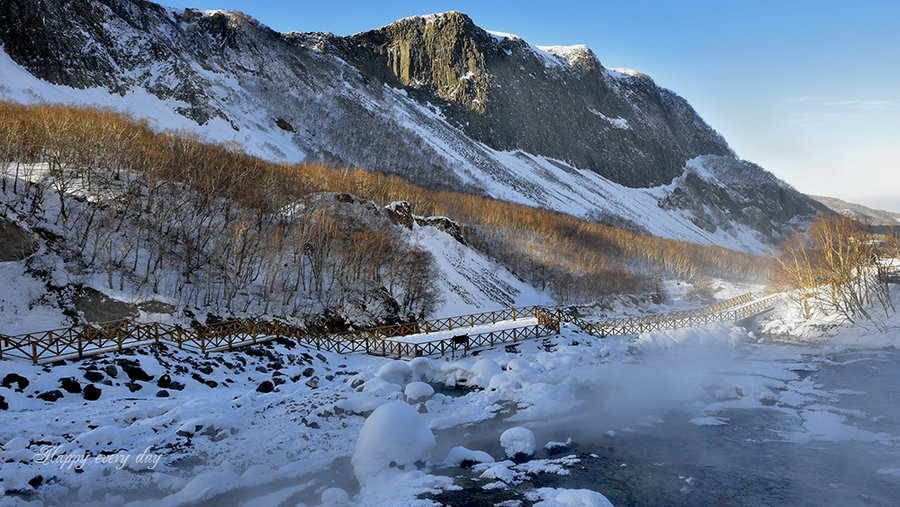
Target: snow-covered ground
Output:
{"points": [[282, 425]]}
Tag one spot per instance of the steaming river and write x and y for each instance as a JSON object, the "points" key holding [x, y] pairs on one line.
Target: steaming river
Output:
{"points": [[765, 425]]}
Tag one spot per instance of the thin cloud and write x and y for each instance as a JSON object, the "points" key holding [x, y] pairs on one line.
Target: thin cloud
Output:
{"points": [[864, 104]]}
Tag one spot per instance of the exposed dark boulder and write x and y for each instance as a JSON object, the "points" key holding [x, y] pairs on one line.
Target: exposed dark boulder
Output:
{"points": [[70, 385], [51, 396], [164, 381], [445, 224], [265, 387], [92, 392], [93, 376], [14, 378], [136, 373], [400, 213]]}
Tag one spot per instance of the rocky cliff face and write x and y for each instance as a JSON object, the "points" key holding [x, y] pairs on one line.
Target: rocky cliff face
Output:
{"points": [[434, 99], [559, 102]]}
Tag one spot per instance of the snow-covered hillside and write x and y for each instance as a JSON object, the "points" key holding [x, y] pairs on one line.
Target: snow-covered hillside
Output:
{"points": [[314, 97]]}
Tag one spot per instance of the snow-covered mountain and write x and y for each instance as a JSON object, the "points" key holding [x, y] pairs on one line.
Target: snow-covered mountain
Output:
{"points": [[435, 99], [869, 216]]}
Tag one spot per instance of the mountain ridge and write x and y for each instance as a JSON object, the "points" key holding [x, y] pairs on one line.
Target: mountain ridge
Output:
{"points": [[317, 96]]}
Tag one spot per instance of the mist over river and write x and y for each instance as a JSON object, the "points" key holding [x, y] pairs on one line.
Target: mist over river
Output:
{"points": [[720, 422]]}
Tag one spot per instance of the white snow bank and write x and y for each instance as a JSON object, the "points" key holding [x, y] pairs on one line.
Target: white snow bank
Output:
{"points": [[550, 497], [395, 372], [394, 434], [518, 440]]}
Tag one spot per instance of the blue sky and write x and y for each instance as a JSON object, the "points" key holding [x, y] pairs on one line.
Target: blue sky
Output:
{"points": [[810, 90]]}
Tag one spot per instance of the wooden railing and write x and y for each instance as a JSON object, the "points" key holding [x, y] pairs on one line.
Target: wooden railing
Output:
{"points": [[673, 320], [90, 339], [888, 274]]}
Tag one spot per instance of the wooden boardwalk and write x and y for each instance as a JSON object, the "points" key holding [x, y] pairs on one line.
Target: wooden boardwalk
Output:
{"points": [[91, 339]]}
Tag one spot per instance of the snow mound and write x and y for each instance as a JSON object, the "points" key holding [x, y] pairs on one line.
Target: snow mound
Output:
{"points": [[518, 441], [416, 391], [395, 434], [550, 497], [395, 372], [335, 496], [459, 454], [484, 370]]}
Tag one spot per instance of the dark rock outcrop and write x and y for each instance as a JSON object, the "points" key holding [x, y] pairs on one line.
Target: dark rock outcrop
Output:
{"points": [[511, 95], [70, 385], [15, 242], [51, 396], [135, 372], [14, 378]]}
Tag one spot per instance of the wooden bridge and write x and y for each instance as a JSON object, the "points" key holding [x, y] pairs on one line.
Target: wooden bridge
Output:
{"points": [[85, 340], [888, 274]]}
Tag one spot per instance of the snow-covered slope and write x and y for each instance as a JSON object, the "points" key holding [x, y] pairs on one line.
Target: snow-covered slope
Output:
{"points": [[546, 127]]}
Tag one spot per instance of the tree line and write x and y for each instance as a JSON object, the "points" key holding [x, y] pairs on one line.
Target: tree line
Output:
{"points": [[833, 267], [202, 223]]}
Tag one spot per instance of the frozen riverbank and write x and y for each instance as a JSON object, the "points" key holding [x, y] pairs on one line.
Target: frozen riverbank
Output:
{"points": [[690, 416]]}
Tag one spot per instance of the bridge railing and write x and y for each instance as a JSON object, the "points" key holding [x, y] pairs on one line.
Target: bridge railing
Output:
{"points": [[90, 339]]}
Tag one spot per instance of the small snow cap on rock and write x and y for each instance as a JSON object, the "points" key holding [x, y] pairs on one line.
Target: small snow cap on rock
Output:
{"points": [[394, 435], [518, 442], [416, 391], [335, 496], [551, 497], [461, 457]]}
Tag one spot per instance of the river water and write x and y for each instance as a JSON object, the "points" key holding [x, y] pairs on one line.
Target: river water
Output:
{"points": [[768, 424]]}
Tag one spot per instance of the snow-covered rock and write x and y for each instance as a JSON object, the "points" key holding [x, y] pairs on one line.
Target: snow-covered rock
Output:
{"points": [[394, 435], [459, 455], [550, 497], [416, 391], [518, 441], [335, 496]]}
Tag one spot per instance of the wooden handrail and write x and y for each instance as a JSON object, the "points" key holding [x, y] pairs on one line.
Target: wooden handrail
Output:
{"points": [[85, 340]]}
